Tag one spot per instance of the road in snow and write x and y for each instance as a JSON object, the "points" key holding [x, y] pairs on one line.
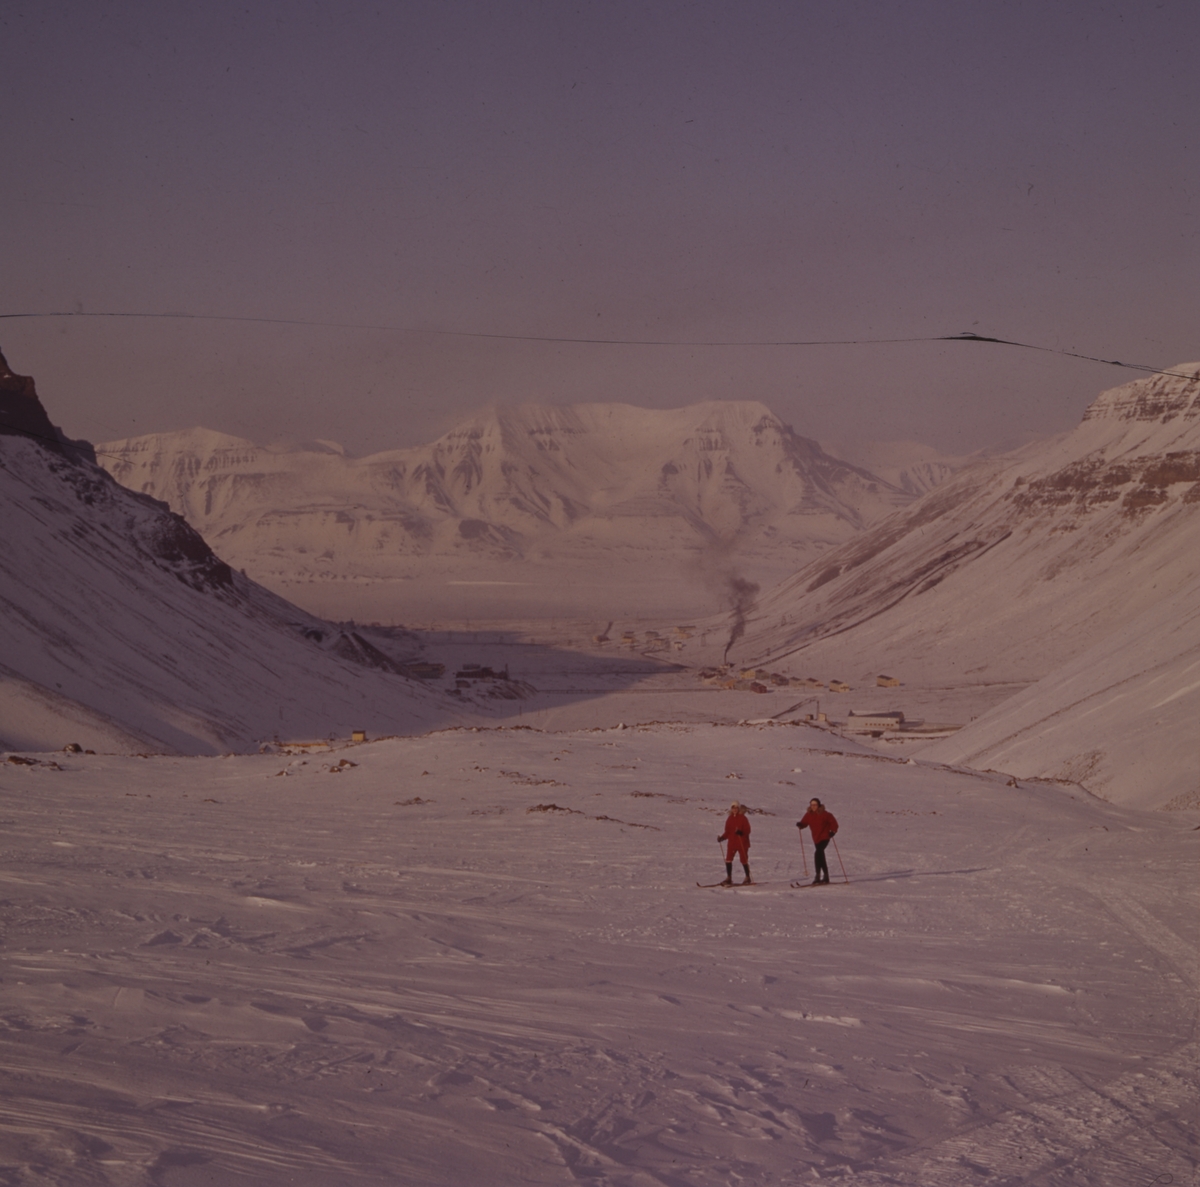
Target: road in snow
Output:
{"points": [[482, 957]]}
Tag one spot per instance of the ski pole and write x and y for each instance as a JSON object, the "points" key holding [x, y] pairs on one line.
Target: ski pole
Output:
{"points": [[803, 855], [839, 856]]}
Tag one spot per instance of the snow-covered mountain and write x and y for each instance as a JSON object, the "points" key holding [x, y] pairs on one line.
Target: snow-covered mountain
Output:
{"points": [[594, 481], [907, 465], [121, 629], [1078, 550]]}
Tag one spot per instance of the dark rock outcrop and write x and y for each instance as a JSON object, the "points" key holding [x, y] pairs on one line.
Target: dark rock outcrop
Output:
{"points": [[167, 539], [22, 414]]}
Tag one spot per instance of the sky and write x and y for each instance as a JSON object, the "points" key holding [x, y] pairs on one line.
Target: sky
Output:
{"points": [[362, 208]]}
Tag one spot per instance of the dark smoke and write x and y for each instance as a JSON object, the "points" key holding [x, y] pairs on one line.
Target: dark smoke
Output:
{"points": [[741, 601]]}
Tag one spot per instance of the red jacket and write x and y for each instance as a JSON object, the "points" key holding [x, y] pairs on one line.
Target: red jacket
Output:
{"points": [[821, 822], [735, 824]]}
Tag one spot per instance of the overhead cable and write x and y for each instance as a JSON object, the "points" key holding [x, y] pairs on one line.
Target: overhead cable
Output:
{"points": [[569, 341]]}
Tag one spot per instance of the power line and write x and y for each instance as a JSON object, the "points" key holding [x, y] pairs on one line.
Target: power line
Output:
{"points": [[550, 338], [567, 341], [1068, 353]]}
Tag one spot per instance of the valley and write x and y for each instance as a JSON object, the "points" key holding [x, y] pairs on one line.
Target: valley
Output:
{"points": [[431, 896], [645, 672], [599, 595]]}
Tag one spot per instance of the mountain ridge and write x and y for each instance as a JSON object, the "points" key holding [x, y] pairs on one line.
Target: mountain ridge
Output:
{"points": [[536, 483], [1013, 568]]}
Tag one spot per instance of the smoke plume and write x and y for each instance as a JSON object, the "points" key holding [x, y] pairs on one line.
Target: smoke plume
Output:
{"points": [[741, 594]]}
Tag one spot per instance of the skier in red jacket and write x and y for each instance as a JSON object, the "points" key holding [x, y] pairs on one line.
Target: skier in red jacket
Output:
{"points": [[823, 826], [737, 833]]}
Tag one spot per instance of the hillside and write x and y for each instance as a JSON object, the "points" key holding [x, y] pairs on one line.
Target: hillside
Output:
{"points": [[1119, 718], [1017, 566], [123, 631]]}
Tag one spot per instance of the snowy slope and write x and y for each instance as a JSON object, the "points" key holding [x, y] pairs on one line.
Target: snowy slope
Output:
{"points": [[593, 484], [908, 465], [1016, 566], [480, 958], [121, 630], [1123, 718]]}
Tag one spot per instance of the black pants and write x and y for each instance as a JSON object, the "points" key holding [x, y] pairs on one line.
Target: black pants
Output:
{"points": [[819, 863]]}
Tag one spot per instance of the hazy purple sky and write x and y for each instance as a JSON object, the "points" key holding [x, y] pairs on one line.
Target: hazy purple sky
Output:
{"points": [[692, 171]]}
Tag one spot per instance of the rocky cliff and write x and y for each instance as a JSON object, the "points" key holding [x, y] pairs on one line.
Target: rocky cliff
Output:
{"points": [[22, 414]]}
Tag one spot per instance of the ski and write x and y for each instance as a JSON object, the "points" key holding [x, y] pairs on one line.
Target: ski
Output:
{"points": [[729, 886], [812, 886]]}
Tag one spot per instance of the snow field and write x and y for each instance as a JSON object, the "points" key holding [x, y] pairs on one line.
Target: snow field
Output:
{"points": [[479, 956]]}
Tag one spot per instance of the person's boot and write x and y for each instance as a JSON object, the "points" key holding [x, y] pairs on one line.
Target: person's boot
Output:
{"points": [[728, 874], [748, 880]]}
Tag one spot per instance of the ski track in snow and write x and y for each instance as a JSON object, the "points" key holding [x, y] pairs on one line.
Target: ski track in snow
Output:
{"points": [[405, 972]]}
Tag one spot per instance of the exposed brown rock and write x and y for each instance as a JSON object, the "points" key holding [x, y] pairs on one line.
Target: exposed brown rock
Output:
{"points": [[1144, 482]]}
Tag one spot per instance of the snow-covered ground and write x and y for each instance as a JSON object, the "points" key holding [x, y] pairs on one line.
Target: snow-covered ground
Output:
{"points": [[479, 956]]}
